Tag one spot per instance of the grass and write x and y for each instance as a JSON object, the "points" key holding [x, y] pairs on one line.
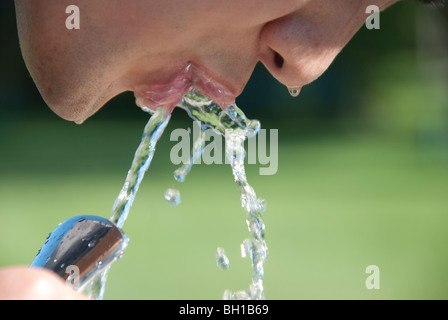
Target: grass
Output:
{"points": [[337, 205]]}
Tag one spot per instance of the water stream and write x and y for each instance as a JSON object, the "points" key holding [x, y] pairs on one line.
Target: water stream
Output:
{"points": [[235, 127], [142, 160]]}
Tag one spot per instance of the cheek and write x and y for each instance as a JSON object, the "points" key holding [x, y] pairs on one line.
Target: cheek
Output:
{"points": [[74, 70]]}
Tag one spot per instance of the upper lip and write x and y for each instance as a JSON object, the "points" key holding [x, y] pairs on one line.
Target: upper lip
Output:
{"points": [[170, 93]]}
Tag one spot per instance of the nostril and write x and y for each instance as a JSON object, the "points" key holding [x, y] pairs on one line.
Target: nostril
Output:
{"points": [[278, 59]]}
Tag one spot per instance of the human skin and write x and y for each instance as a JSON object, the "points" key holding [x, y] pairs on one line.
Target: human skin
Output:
{"points": [[140, 45], [24, 283]]}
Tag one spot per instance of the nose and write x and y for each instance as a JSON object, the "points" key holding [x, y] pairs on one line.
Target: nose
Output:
{"points": [[297, 50]]}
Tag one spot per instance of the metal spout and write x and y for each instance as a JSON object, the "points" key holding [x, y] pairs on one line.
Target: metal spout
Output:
{"points": [[81, 248]]}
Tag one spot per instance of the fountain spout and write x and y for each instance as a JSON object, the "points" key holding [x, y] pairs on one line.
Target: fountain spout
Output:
{"points": [[81, 248]]}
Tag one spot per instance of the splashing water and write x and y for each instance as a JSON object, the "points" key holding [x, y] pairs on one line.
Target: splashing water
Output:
{"points": [[140, 164], [254, 247], [142, 160], [198, 147], [172, 196], [211, 115], [221, 259], [235, 127]]}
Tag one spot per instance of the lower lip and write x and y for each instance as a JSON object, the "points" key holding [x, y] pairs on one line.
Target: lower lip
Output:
{"points": [[170, 94]]}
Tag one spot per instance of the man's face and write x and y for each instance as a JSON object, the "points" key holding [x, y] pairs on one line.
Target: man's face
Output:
{"points": [[158, 48]]}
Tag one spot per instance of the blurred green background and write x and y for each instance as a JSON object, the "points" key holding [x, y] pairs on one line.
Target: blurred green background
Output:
{"points": [[362, 177]]}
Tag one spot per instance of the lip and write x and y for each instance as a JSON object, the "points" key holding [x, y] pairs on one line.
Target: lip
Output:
{"points": [[169, 93]]}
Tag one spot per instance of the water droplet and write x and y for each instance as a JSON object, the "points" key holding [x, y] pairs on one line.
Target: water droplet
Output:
{"points": [[91, 243], [99, 264], [120, 254], [62, 265], [253, 128], [227, 295], [47, 238], [246, 248], [233, 121], [221, 259], [146, 109], [238, 295], [172, 196], [294, 92], [55, 260], [180, 175], [232, 112]]}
